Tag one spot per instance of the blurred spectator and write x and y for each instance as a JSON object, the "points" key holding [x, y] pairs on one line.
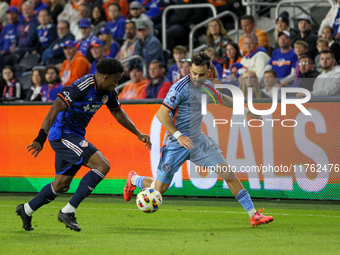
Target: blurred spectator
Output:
{"points": [[98, 19], [136, 12], [124, 5], [306, 34], [218, 38], [308, 73], [87, 37], [270, 81], [98, 52], [54, 54], [147, 46], [27, 31], [233, 55], [3, 10], [282, 23], [283, 60], [321, 44], [159, 84], [117, 21], [37, 81], [73, 12], [332, 20], [249, 27], [327, 33], [134, 89], [213, 57], [75, 66], [182, 21], [179, 53], [111, 47], [300, 49], [10, 31], [249, 80], [255, 57], [47, 31], [12, 88], [38, 5], [93, 3], [56, 7], [327, 83], [184, 69], [53, 86]]}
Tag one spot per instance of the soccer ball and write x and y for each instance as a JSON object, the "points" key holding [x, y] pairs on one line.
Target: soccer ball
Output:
{"points": [[149, 200]]}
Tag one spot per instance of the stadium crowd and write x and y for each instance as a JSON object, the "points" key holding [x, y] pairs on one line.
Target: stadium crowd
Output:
{"points": [[47, 45]]}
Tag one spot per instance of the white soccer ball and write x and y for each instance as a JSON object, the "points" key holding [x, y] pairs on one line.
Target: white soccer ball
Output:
{"points": [[149, 200]]}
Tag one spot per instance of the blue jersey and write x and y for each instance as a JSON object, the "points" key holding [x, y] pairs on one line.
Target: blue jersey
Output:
{"points": [[9, 36], [282, 63], [117, 28], [83, 44], [184, 101], [47, 35], [83, 100]]}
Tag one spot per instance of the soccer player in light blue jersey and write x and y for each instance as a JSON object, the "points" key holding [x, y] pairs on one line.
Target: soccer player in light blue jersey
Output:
{"points": [[65, 125], [181, 115]]}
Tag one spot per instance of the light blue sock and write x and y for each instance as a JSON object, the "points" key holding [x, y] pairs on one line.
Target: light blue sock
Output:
{"points": [[139, 182], [245, 200]]}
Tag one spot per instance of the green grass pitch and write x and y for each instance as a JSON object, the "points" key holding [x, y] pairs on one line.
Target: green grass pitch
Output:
{"points": [[182, 226]]}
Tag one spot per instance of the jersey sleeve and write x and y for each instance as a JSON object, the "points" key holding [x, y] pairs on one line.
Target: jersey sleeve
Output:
{"points": [[113, 102], [174, 97], [72, 93]]}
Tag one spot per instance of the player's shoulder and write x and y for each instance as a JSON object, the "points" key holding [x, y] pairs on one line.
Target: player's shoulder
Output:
{"points": [[85, 82], [181, 85]]}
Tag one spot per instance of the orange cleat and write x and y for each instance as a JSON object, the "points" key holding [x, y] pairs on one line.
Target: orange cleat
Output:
{"points": [[129, 188], [259, 219]]}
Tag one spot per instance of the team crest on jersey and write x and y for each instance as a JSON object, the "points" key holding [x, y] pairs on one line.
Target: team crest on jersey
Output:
{"points": [[84, 143], [105, 99], [166, 167]]}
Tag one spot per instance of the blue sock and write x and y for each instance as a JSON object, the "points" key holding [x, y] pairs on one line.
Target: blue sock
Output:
{"points": [[86, 186], [245, 200], [139, 182], [46, 195]]}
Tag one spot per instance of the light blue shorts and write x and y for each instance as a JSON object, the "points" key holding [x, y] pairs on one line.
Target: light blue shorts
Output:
{"points": [[206, 153]]}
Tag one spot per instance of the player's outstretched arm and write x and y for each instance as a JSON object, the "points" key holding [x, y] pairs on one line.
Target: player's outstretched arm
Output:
{"points": [[125, 121], [37, 145], [164, 117]]}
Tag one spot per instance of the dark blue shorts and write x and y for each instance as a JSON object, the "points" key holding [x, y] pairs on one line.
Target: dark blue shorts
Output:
{"points": [[71, 152]]}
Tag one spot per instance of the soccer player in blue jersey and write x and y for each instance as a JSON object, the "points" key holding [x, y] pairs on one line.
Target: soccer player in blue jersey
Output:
{"points": [[65, 125], [181, 115]]}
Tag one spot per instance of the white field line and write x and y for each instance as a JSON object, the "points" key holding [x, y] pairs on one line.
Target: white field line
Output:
{"points": [[197, 211]]}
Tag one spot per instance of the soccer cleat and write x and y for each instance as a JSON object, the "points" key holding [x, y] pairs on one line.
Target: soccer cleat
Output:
{"points": [[129, 188], [70, 220], [26, 220], [259, 219]]}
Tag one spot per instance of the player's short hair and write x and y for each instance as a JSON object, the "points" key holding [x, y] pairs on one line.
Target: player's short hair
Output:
{"points": [[272, 72], [310, 59], [155, 61], [249, 17], [253, 37], [211, 50], [115, 4], [327, 52], [180, 49], [300, 42], [109, 66], [48, 67], [322, 40], [200, 59]]}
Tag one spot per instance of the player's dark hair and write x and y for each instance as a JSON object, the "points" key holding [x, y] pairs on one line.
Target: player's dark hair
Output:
{"points": [[58, 80], [115, 4], [249, 17], [310, 59], [327, 52], [200, 59], [109, 66]]}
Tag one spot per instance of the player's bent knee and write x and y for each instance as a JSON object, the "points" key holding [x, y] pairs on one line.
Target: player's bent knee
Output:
{"points": [[62, 188], [104, 168], [161, 187]]}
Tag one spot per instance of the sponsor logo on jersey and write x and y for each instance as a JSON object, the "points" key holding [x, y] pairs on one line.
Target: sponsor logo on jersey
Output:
{"points": [[67, 96], [105, 99], [166, 167]]}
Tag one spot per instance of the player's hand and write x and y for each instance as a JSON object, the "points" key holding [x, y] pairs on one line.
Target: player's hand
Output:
{"points": [[145, 139], [254, 116], [185, 142], [34, 148]]}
